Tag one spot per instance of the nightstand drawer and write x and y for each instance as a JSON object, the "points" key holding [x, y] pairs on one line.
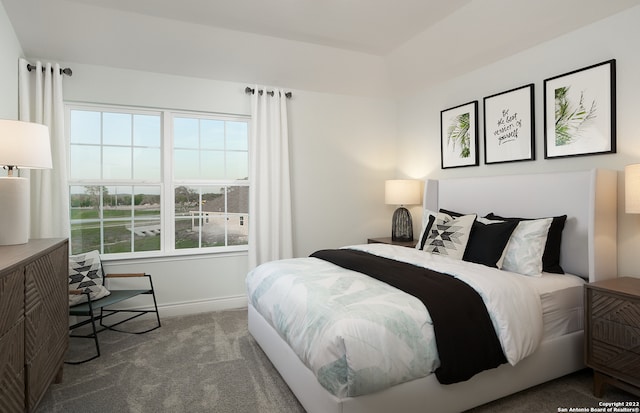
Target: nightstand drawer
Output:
{"points": [[617, 335], [615, 320], [614, 308], [615, 360]]}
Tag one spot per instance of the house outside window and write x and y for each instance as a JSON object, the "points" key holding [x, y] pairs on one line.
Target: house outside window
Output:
{"points": [[146, 182]]}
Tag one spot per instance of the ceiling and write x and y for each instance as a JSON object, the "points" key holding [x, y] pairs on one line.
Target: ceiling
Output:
{"points": [[214, 35], [369, 26]]}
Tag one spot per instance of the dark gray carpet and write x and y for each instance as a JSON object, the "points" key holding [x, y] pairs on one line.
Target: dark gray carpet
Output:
{"points": [[199, 363], [210, 363], [571, 391]]}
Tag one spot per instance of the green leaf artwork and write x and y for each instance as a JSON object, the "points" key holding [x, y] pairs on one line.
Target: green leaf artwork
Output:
{"points": [[458, 133], [571, 119]]}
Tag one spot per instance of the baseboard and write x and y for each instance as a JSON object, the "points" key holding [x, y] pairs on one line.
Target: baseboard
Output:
{"points": [[182, 308], [202, 306]]}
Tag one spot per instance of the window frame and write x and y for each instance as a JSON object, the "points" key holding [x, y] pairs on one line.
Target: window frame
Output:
{"points": [[166, 182]]}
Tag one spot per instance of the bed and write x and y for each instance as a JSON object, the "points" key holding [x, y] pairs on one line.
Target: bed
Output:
{"points": [[588, 250]]}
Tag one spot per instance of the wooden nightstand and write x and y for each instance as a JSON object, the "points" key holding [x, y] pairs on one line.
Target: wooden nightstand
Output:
{"points": [[388, 240], [612, 333]]}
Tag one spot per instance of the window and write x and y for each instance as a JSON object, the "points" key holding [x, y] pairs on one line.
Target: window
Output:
{"points": [[210, 156], [147, 182]]}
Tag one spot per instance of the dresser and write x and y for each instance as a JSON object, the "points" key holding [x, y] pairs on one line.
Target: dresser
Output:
{"points": [[34, 319], [612, 333]]}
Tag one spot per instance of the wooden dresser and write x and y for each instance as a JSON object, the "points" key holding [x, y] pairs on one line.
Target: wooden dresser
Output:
{"points": [[34, 319], [612, 333]]}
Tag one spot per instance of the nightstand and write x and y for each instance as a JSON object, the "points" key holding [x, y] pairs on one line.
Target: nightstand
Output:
{"points": [[612, 333], [388, 240]]}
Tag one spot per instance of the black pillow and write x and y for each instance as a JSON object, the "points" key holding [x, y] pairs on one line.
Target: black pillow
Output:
{"points": [[486, 241], [551, 255]]}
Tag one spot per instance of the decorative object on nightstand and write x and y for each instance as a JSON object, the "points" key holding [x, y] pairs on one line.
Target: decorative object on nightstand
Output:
{"points": [[23, 145], [402, 192], [612, 333]]}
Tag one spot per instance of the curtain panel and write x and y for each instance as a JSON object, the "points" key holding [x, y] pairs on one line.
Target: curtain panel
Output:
{"points": [[270, 228], [41, 101]]}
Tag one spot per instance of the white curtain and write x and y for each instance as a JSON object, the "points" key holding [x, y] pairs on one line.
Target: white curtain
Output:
{"points": [[270, 229], [41, 101]]}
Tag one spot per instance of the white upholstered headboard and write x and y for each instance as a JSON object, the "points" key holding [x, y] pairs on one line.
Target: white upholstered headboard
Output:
{"points": [[588, 198]]}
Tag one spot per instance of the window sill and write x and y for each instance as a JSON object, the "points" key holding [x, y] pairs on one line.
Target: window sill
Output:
{"points": [[159, 256]]}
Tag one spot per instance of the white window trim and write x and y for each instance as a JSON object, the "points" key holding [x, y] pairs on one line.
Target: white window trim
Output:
{"points": [[167, 241]]}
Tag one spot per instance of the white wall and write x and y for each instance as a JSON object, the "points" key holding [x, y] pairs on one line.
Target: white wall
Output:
{"points": [[615, 37], [10, 51], [344, 147], [342, 150]]}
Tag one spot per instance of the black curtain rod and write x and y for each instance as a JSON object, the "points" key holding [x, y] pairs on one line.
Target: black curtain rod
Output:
{"points": [[66, 71], [249, 90]]}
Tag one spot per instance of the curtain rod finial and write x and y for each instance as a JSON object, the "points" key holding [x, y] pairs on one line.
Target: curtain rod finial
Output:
{"points": [[66, 71], [249, 90]]}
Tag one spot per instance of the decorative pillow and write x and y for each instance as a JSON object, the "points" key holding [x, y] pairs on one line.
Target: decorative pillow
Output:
{"points": [[551, 255], [524, 250], [85, 273], [488, 241], [449, 236], [428, 218]]}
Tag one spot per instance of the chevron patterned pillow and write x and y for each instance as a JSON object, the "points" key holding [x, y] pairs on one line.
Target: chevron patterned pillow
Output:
{"points": [[449, 236], [85, 273]]}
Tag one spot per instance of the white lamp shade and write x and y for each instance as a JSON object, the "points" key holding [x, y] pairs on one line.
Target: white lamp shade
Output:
{"points": [[632, 189], [402, 192], [24, 144]]}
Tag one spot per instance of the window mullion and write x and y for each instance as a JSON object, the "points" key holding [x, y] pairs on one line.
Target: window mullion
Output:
{"points": [[168, 186]]}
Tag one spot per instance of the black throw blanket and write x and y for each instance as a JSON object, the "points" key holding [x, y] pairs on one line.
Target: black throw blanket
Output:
{"points": [[465, 338]]}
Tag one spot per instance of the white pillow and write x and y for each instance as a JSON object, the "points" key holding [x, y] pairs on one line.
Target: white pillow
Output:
{"points": [[449, 236], [523, 253]]}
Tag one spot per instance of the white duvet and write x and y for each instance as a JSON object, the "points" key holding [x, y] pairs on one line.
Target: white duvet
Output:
{"points": [[360, 335]]}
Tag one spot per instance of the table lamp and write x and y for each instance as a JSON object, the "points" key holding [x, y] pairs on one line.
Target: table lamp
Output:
{"points": [[632, 189], [402, 192], [23, 145]]}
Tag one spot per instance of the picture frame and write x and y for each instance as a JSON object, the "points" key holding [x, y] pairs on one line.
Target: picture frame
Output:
{"points": [[509, 126], [580, 112], [459, 136]]}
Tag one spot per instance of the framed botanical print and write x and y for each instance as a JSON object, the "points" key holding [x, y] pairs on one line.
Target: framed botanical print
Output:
{"points": [[459, 136], [509, 126], [580, 112]]}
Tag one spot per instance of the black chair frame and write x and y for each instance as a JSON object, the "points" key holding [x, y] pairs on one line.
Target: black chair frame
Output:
{"points": [[90, 309]]}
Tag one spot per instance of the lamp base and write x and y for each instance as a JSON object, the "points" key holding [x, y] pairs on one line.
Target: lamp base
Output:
{"points": [[402, 226], [14, 210]]}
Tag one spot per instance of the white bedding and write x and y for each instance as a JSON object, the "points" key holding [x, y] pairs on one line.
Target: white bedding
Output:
{"points": [[561, 296], [341, 352]]}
